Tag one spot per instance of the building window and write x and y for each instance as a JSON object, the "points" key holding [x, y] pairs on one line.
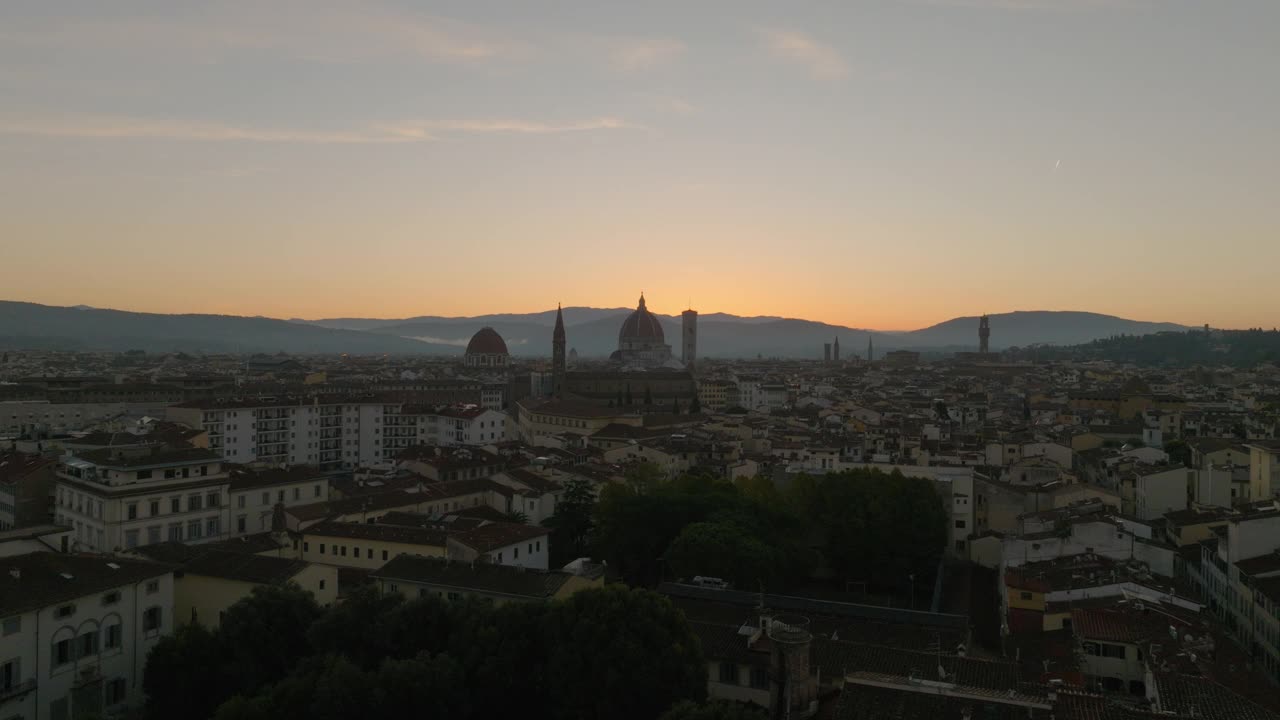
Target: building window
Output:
{"points": [[65, 611], [759, 678], [10, 674], [88, 644], [212, 527], [297, 493], [240, 524], [175, 532], [370, 555], [343, 551], [111, 598], [11, 626], [132, 511], [153, 507], [116, 691], [151, 620], [384, 555], [193, 530], [960, 524], [317, 491], [153, 587], [175, 505], [306, 546], [194, 502], [266, 498], [63, 652], [215, 500], [321, 548], [240, 502], [131, 538], [728, 673], [112, 639]]}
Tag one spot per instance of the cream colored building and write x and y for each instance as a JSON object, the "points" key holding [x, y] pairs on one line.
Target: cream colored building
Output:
{"points": [[539, 420], [1264, 469], [213, 579], [367, 546], [119, 499]]}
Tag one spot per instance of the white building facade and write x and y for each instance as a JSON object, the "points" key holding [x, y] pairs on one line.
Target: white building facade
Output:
{"points": [[121, 499], [75, 632]]}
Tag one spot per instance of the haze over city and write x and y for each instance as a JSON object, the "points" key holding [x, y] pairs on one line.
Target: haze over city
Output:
{"points": [[885, 164]]}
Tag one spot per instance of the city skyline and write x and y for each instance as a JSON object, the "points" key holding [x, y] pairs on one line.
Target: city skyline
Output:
{"points": [[885, 165]]}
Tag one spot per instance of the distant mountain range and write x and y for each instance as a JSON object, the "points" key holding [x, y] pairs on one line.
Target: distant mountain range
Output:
{"points": [[592, 331]]}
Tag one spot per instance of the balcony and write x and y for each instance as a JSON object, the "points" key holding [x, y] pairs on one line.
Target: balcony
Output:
{"points": [[17, 690]]}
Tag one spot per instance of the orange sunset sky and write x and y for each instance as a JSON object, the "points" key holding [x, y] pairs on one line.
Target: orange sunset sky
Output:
{"points": [[885, 164]]}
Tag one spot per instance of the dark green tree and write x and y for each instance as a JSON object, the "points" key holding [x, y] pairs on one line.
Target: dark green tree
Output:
{"points": [[643, 476], [648, 396], [715, 710], [422, 686], [1179, 452], [695, 406], [266, 633], [186, 674], [880, 528], [358, 627], [626, 654], [724, 550], [572, 523], [628, 399]]}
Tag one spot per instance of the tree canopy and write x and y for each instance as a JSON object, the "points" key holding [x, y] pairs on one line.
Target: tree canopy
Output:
{"points": [[610, 652], [863, 525]]}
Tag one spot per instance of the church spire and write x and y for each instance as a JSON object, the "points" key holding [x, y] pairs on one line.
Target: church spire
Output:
{"points": [[558, 359], [641, 299]]}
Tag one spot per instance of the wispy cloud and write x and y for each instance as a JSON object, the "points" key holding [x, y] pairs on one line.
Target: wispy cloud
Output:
{"points": [[535, 128], [645, 54], [322, 31], [793, 46], [1039, 5], [109, 128], [117, 128]]}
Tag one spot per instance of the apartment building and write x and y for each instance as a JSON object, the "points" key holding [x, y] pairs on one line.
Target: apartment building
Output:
{"points": [[256, 492], [334, 432], [1239, 577], [26, 485], [75, 631], [122, 498]]}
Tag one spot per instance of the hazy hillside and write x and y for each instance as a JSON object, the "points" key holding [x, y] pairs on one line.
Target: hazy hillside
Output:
{"points": [[592, 331], [1031, 327], [28, 325]]}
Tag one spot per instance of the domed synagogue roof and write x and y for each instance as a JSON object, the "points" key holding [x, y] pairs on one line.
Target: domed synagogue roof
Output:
{"points": [[487, 342]]}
